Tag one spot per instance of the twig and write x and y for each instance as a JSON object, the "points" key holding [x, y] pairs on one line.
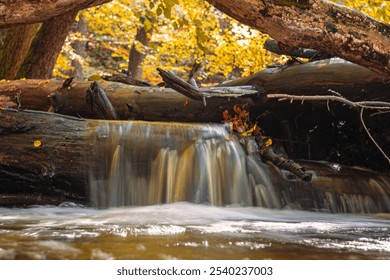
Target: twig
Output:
{"points": [[373, 105], [371, 137]]}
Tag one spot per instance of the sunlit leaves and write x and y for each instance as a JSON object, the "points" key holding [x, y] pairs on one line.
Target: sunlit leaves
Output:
{"points": [[185, 32], [378, 9]]}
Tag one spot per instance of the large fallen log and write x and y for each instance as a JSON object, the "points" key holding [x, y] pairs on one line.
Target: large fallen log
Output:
{"points": [[354, 82], [47, 158], [131, 102]]}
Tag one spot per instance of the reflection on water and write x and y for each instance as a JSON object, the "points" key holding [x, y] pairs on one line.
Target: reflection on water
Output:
{"points": [[189, 231]]}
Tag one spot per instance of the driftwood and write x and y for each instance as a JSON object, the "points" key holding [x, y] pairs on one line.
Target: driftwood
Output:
{"points": [[317, 24]]}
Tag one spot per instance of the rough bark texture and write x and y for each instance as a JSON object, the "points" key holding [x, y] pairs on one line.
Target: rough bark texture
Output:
{"points": [[317, 24], [317, 78], [15, 12], [136, 57], [154, 103], [131, 102], [79, 47], [57, 168], [45, 47], [15, 48]]}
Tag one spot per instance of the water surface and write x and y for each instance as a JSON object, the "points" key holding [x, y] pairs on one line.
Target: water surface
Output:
{"points": [[189, 231]]}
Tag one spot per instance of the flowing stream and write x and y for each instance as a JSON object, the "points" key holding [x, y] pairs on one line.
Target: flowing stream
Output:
{"points": [[180, 191]]}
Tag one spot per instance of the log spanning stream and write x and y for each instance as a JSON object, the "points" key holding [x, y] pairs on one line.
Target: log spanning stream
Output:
{"points": [[181, 191]]}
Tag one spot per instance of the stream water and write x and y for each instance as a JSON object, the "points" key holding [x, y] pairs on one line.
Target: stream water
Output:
{"points": [[177, 191], [189, 231]]}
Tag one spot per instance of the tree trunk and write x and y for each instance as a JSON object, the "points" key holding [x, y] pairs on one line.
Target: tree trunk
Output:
{"points": [[136, 57], [79, 47], [317, 24], [17, 42], [46, 46], [16, 12]]}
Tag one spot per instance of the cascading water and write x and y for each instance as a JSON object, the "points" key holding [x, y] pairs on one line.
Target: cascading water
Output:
{"points": [[139, 163]]}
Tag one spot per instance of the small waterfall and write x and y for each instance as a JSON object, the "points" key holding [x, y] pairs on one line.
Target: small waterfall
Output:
{"points": [[140, 163]]}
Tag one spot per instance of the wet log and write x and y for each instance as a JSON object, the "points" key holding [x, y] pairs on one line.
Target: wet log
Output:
{"points": [[43, 154], [46, 158], [322, 25]]}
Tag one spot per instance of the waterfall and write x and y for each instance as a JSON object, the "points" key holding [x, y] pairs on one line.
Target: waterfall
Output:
{"points": [[140, 163], [146, 163]]}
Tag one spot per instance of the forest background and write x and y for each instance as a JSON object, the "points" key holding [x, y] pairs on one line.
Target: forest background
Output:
{"points": [[190, 38]]}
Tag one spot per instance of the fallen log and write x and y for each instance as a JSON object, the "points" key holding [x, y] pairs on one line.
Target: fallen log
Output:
{"points": [[47, 158], [130, 102], [165, 104]]}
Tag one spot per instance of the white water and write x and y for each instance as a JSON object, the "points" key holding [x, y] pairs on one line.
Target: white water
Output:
{"points": [[151, 163], [185, 230]]}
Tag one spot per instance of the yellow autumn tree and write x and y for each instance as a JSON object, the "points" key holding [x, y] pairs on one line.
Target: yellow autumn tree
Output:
{"points": [[185, 33]]}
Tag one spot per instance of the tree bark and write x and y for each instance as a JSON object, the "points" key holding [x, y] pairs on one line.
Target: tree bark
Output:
{"points": [[17, 42], [16, 12], [136, 57], [130, 102], [47, 158], [46, 46], [317, 24], [49, 154], [79, 47], [153, 103]]}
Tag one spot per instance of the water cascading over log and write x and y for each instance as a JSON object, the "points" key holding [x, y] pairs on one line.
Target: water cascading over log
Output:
{"points": [[47, 158]]}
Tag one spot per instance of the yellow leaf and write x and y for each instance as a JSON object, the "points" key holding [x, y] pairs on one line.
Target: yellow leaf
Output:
{"points": [[37, 143], [268, 142], [250, 131]]}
